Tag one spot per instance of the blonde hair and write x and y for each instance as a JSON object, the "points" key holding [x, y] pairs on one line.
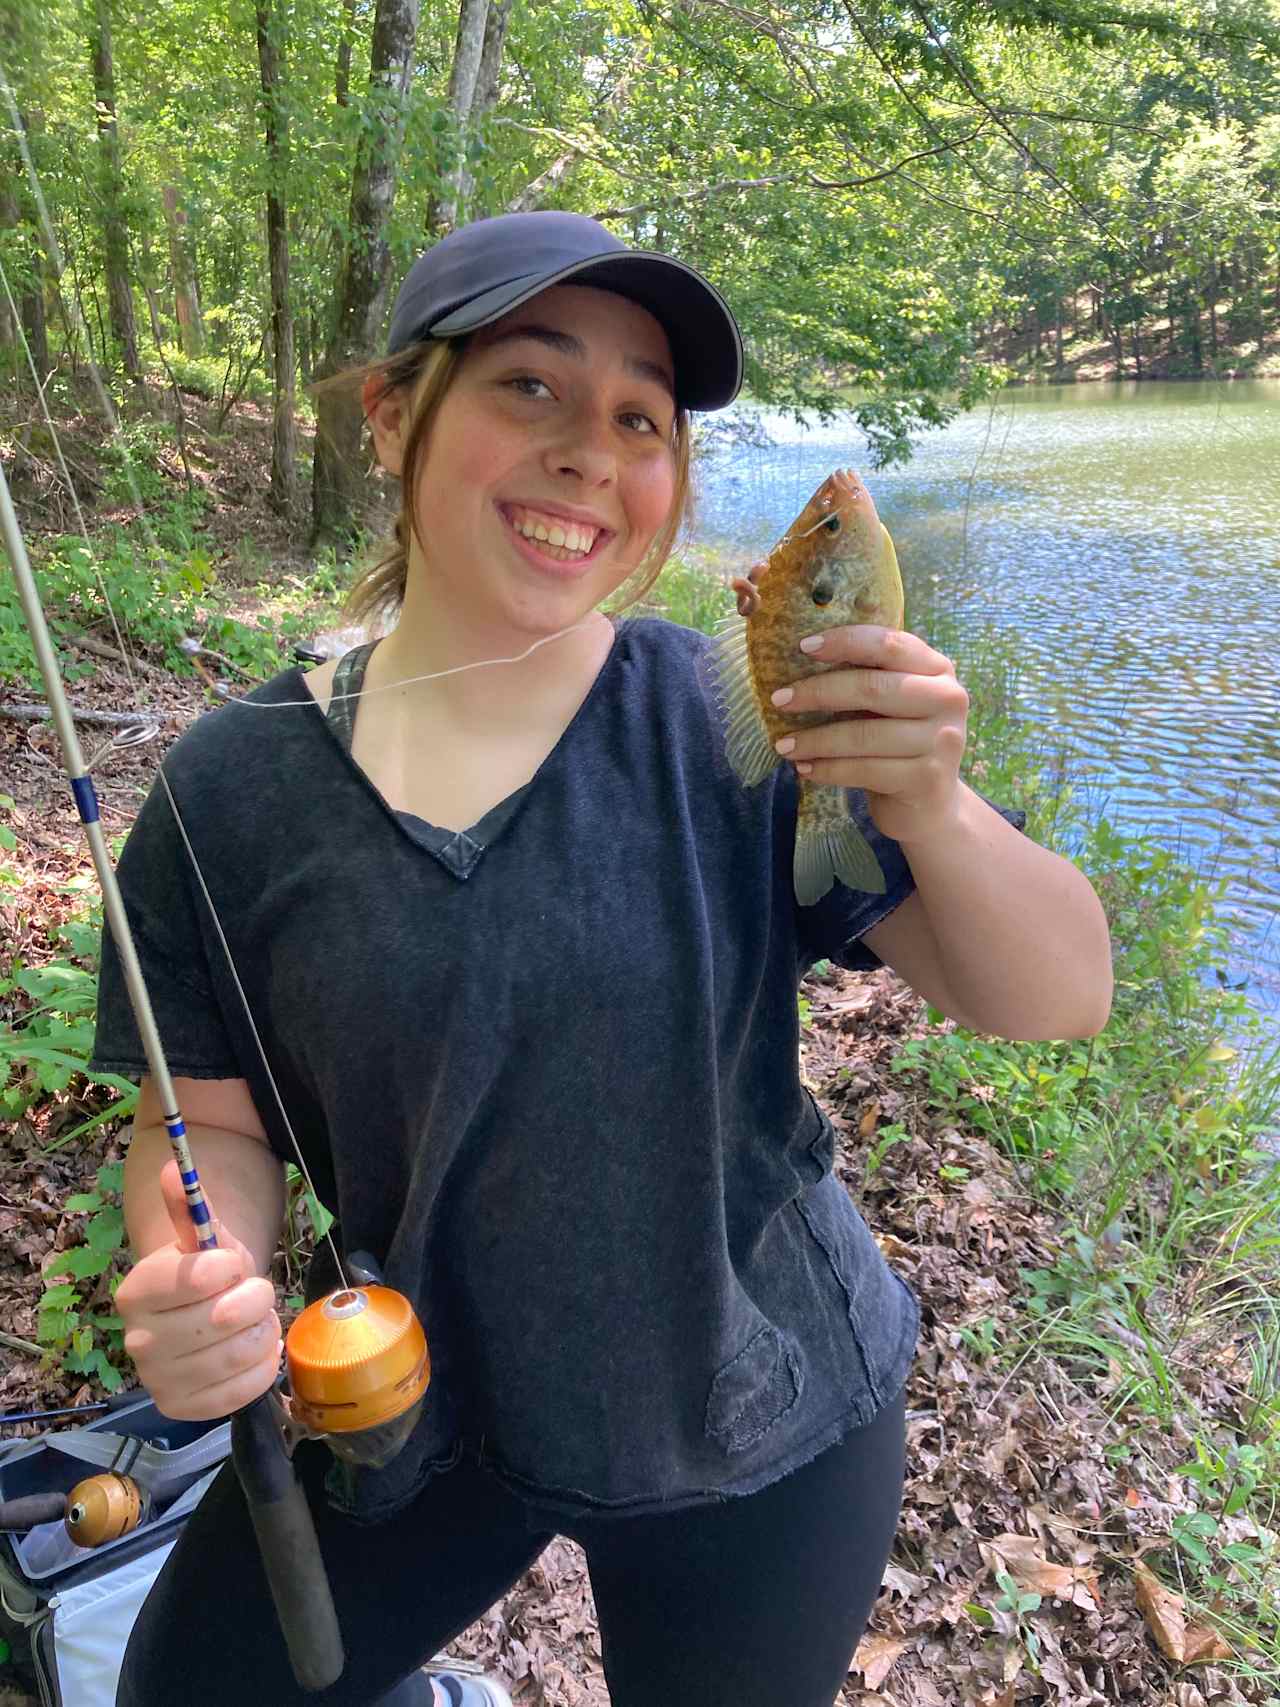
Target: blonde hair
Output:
{"points": [[426, 371]]}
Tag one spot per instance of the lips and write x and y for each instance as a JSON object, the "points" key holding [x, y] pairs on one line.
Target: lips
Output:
{"points": [[561, 538]]}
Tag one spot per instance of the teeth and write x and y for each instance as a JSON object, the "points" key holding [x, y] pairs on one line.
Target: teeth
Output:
{"points": [[559, 537]]}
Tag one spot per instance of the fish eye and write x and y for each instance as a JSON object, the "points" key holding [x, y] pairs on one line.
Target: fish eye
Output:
{"points": [[832, 524]]}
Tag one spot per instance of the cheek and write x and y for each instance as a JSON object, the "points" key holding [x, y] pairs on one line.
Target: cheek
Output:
{"points": [[651, 493], [461, 463]]}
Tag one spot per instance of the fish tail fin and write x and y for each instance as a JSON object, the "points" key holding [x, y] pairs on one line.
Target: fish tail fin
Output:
{"points": [[829, 845]]}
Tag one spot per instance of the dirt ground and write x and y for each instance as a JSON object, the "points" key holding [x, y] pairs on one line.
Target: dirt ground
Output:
{"points": [[1020, 1469], [1006, 1468]]}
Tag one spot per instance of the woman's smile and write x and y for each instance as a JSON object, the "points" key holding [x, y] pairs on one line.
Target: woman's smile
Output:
{"points": [[551, 539]]}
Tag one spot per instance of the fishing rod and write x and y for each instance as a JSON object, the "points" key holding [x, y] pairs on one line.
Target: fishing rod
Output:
{"points": [[357, 1359], [281, 1517]]}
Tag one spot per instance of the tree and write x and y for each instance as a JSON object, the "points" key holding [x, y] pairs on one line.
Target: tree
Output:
{"points": [[115, 228], [365, 272], [284, 431]]}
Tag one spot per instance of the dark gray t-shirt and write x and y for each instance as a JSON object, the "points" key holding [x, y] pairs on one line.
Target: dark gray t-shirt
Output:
{"points": [[546, 1072]]}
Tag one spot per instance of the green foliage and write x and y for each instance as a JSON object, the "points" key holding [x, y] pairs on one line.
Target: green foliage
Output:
{"points": [[894, 1132], [49, 1045], [86, 1339], [692, 590], [160, 581]]}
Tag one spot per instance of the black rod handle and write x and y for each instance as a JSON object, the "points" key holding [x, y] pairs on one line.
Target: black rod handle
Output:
{"points": [[28, 1510], [287, 1541]]}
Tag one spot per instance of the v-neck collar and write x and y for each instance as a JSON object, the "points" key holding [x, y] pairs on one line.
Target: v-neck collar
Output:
{"points": [[458, 851]]}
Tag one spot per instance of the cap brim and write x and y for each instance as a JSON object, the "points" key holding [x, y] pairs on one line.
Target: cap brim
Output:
{"points": [[706, 345]]}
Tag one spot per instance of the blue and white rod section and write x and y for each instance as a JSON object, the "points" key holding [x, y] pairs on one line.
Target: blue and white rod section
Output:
{"points": [[87, 805]]}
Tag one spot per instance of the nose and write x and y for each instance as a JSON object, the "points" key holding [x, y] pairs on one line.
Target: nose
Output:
{"points": [[585, 451]]}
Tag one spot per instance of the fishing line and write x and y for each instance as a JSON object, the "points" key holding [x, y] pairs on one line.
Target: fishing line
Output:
{"points": [[133, 736]]}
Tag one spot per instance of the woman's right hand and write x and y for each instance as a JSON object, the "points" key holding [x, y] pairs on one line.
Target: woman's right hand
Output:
{"points": [[200, 1326]]}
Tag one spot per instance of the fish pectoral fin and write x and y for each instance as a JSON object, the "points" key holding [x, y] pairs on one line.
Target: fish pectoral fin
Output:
{"points": [[831, 846], [747, 743]]}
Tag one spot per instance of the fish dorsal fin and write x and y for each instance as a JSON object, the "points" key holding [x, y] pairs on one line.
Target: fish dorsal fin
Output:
{"points": [[749, 749]]}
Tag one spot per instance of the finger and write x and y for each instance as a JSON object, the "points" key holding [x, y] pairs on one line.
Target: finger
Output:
{"points": [[878, 648], [175, 1201], [875, 776], [191, 1352], [170, 1279], [861, 738], [886, 693], [219, 1398]]}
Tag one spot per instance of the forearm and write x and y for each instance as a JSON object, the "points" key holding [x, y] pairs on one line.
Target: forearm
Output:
{"points": [[244, 1181], [1022, 938]]}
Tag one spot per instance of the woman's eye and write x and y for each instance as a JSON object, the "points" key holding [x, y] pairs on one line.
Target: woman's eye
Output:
{"points": [[633, 418], [528, 385]]}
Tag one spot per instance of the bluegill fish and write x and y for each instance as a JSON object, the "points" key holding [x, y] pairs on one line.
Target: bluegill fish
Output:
{"points": [[834, 566]]}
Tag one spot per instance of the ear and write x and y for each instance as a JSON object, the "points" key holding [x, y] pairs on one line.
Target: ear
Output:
{"points": [[387, 415]]}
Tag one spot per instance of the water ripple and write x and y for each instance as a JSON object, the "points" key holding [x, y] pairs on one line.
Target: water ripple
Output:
{"points": [[1128, 538]]}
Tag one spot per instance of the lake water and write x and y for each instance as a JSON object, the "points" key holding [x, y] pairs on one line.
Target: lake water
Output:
{"points": [[1127, 537]]}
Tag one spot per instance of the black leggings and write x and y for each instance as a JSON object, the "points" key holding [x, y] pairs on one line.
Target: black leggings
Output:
{"points": [[753, 1602]]}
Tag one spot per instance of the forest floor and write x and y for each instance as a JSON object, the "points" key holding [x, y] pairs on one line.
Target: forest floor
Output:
{"points": [[1009, 1466], [1019, 1463]]}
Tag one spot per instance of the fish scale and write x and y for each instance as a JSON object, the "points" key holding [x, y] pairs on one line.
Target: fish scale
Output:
{"points": [[817, 576]]}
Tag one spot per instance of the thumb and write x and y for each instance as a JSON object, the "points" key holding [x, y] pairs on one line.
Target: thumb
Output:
{"points": [[175, 1201]]}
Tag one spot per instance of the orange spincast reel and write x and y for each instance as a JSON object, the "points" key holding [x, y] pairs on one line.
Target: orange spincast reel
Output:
{"points": [[358, 1369], [103, 1508]]}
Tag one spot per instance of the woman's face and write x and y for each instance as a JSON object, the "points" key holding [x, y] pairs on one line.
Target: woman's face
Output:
{"points": [[549, 468]]}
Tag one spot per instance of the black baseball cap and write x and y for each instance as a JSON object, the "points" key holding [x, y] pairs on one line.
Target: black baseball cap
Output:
{"points": [[482, 271]]}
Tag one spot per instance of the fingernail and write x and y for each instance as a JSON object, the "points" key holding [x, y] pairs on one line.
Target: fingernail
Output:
{"points": [[812, 642], [784, 696], [785, 745]]}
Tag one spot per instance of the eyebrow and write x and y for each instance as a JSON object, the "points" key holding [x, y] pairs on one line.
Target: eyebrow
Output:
{"points": [[567, 344]]}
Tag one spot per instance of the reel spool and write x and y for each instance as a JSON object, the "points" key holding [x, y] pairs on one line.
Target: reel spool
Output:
{"points": [[103, 1508], [358, 1370]]}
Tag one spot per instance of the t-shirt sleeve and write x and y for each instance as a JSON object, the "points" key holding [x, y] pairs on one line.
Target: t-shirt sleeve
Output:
{"points": [[832, 929], [156, 883]]}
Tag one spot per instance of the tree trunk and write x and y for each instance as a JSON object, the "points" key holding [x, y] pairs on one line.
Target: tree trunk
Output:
{"points": [[1057, 330], [284, 430], [1193, 329], [157, 331], [489, 79], [111, 189], [1255, 297], [468, 49], [186, 296], [342, 72], [1213, 310], [10, 219], [18, 212], [364, 277]]}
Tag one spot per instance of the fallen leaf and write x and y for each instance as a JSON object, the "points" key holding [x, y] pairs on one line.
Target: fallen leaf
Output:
{"points": [[1162, 1610], [876, 1657], [1032, 1571]]}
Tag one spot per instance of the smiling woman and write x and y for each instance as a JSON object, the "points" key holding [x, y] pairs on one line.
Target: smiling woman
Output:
{"points": [[521, 956]]}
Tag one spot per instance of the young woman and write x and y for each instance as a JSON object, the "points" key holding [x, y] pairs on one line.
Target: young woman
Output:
{"points": [[523, 956]]}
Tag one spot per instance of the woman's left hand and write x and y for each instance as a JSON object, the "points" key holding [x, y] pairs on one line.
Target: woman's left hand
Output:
{"points": [[906, 753]]}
